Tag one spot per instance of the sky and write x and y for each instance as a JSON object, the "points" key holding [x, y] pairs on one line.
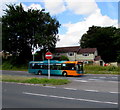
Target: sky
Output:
{"points": [[75, 16]]}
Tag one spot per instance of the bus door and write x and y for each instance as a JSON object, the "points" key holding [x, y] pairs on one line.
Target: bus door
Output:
{"points": [[79, 67]]}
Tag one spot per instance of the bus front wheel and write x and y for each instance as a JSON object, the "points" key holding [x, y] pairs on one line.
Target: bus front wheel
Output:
{"points": [[64, 73], [39, 72]]}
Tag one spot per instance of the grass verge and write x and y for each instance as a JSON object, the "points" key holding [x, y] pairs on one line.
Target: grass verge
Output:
{"points": [[101, 69], [33, 80]]}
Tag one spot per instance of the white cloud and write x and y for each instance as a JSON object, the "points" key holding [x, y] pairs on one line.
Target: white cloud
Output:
{"points": [[35, 6], [99, 20], [32, 6], [82, 7], [78, 7], [54, 6], [75, 31], [107, 0], [3, 5]]}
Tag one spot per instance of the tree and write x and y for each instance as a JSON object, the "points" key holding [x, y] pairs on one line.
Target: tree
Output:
{"points": [[117, 44], [0, 34], [25, 30], [105, 39], [118, 58]]}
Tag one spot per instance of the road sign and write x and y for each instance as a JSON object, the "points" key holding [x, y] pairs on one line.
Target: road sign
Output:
{"points": [[48, 55]]}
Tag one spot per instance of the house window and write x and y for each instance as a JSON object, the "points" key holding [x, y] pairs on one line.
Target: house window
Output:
{"points": [[85, 54], [71, 53]]}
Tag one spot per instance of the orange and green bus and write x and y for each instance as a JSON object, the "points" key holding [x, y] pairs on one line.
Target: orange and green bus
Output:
{"points": [[65, 68]]}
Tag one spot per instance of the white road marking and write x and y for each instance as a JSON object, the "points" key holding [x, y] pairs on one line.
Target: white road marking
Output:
{"points": [[114, 77], [94, 79], [114, 92], [50, 86], [113, 81], [70, 88], [27, 84], [92, 90], [100, 91], [69, 98], [102, 77], [100, 80], [81, 80]]}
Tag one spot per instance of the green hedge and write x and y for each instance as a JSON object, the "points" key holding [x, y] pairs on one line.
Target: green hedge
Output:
{"points": [[101, 69], [8, 66]]}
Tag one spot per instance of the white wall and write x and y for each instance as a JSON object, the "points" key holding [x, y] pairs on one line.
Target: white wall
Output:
{"points": [[79, 57]]}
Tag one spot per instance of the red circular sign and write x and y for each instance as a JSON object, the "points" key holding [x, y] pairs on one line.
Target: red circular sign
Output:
{"points": [[48, 55]]}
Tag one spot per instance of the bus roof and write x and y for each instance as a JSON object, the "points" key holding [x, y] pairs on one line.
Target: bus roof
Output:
{"points": [[53, 61]]}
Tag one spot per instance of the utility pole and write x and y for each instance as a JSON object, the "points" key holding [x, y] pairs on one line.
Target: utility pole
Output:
{"points": [[33, 44], [75, 55]]}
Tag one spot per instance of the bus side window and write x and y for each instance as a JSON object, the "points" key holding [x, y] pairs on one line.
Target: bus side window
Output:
{"points": [[32, 65], [63, 66], [41, 66], [59, 67], [55, 66], [45, 66], [71, 66], [36, 66], [51, 67]]}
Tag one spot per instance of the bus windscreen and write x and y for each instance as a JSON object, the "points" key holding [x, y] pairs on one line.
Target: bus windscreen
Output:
{"points": [[79, 66]]}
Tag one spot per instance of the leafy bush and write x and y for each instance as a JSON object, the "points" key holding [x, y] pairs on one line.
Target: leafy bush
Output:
{"points": [[64, 58], [8, 66], [101, 69]]}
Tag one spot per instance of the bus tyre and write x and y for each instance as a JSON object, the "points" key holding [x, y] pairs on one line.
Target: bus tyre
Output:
{"points": [[64, 73], [39, 72]]}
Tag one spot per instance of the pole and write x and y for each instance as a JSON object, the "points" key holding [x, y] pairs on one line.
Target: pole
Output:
{"points": [[48, 68], [33, 57], [33, 45], [33, 53], [75, 56]]}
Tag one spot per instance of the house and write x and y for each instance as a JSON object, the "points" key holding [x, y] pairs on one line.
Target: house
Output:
{"points": [[86, 55], [4, 54]]}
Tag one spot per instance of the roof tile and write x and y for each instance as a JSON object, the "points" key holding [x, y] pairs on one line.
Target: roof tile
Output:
{"points": [[75, 49]]}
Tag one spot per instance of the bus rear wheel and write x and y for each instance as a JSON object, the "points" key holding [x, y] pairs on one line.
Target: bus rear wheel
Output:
{"points": [[39, 72], [64, 73]]}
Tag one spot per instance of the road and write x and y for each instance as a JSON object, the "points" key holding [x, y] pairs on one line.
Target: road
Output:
{"points": [[29, 96], [88, 91], [85, 77], [99, 82]]}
